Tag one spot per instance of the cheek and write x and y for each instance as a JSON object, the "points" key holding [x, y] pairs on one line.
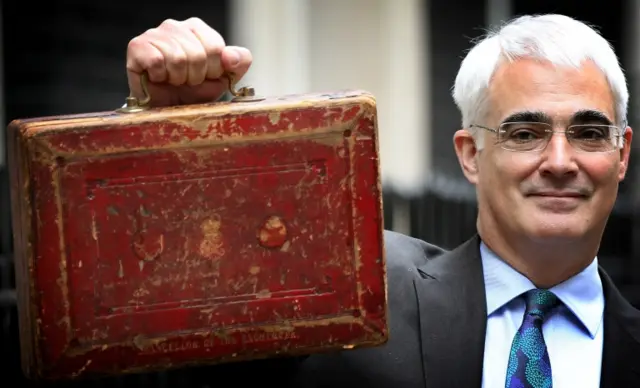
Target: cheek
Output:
{"points": [[504, 171], [602, 171]]}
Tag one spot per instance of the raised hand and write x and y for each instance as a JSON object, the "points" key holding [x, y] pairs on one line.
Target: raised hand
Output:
{"points": [[185, 61]]}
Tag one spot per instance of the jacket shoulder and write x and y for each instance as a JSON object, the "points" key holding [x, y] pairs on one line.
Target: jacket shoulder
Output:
{"points": [[404, 252]]}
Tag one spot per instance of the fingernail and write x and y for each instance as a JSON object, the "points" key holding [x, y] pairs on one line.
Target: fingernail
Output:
{"points": [[234, 58]]}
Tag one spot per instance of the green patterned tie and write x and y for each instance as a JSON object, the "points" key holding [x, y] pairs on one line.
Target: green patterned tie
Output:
{"points": [[529, 365]]}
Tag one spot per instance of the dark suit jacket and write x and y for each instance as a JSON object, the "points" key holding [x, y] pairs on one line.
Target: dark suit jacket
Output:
{"points": [[437, 316]]}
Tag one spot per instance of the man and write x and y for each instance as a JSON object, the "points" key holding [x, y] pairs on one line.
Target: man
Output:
{"points": [[522, 304]]}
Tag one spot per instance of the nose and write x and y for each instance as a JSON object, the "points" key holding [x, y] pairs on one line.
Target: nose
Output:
{"points": [[558, 158]]}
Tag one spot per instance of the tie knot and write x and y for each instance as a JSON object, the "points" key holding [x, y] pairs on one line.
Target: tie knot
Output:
{"points": [[540, 302]]}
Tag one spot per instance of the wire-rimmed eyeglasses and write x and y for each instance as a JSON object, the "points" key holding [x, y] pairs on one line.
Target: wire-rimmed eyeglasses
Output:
{"points": [[532, 136]]}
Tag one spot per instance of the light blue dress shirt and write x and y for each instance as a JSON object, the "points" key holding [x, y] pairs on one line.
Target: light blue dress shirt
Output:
{"points": [[573, 333]]}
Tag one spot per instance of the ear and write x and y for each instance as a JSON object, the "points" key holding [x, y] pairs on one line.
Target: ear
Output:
{"points": [[467, 153], [625, 152]]}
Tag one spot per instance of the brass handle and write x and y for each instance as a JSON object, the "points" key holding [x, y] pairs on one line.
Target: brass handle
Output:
{"points": [[243, 93], [133, 104]]}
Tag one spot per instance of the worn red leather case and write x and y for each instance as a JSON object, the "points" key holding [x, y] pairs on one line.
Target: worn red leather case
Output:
{"points": [[197, 234]]}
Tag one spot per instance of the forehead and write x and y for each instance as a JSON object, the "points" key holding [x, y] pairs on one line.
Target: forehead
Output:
{"points": [[532, 85]]}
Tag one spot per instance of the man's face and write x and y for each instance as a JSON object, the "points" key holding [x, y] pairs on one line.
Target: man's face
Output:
{"points": [[559, 193]]}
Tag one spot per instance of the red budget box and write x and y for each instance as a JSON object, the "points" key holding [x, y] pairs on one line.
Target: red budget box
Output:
{"points": [[197, 234]]}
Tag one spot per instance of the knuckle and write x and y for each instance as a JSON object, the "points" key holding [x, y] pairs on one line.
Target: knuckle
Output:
{"points": [[219, 38], [199, 58], [195, 21], [143, 38], [170, 23], [203, 29], [213, 51], [135, 43], [155, 61], [179, 61]]}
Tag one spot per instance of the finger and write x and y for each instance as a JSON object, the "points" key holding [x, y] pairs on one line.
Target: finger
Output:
{"points": [[236, 60], [213, 44], [175, 61], [135, 88], [142, 55], [194, 50]]}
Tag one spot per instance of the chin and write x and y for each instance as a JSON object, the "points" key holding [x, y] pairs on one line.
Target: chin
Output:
{"points": [[556, 228]]}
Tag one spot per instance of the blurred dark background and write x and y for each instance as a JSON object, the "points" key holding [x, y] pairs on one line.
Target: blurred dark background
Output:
{"points": [[68, 56]]}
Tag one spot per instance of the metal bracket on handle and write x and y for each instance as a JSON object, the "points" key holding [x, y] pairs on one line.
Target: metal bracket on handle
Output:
{"points": [[244, 94], [133, 104]]}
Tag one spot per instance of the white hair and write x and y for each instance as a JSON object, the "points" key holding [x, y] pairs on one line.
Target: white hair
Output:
{"points": [[558, 39]]}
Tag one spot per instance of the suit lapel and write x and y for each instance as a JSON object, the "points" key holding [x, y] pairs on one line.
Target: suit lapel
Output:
{"points": [[453, 316], [620, 366]]}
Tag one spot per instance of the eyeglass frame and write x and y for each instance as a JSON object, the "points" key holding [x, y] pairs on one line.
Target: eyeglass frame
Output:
{"points": [[496, 131]]}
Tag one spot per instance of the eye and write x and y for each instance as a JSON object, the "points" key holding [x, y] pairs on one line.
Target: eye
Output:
{"points": [[523, 132], [592, 132]]}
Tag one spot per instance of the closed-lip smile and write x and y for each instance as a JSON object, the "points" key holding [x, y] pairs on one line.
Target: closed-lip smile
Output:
{"points": [[558, 194]]}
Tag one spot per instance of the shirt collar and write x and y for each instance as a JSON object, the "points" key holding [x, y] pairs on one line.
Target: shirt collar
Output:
{"points": [[582, 294]]}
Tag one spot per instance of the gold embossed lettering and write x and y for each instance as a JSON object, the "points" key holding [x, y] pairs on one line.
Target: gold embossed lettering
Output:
{"points": [[170, 347], [216, 340], [249, 338]]}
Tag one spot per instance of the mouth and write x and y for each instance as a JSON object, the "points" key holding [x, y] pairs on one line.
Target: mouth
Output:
{"points": [[558, 194], [561, 202]]}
